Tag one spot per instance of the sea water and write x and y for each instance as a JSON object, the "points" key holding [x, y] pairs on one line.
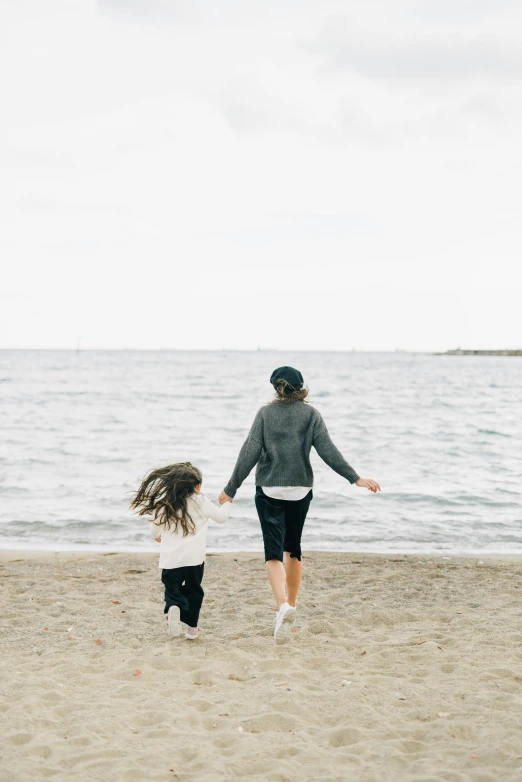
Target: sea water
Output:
{"points": [[441, 434]]}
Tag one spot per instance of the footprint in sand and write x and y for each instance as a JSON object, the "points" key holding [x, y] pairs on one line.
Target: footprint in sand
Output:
{"points": [[19, 738], [203, 678], [345, 737]]}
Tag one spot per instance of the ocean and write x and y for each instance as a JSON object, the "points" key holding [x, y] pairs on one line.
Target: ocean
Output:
{"points": [[441, 434]]}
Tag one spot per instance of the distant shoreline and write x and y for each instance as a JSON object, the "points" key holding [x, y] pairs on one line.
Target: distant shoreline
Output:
{"points": [[460, 352]]}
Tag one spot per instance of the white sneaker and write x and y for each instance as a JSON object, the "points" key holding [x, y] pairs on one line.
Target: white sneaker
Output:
{"points": [[173, 620], [284, 618]]}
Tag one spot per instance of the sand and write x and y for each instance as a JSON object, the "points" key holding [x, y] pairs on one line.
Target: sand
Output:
{"points": [[403, 668]]}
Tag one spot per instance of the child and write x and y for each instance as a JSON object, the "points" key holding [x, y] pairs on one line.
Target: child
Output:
{"points": [[180, 522]]}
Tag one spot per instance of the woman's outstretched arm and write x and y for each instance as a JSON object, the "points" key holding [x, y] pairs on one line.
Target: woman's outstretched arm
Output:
{"points": [[330, 454], [247, 459]]}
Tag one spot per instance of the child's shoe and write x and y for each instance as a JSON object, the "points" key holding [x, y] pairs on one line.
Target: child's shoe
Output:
{"points": [[173, 620], [191, 633]]}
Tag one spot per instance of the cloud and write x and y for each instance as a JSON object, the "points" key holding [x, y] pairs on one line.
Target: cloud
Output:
{"points": [[340, 73], [231, 149], [146, 10], [420, 58]]}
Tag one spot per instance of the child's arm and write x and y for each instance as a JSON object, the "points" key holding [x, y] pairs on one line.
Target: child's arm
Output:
{"points": [[155, 531], [219, 513]]}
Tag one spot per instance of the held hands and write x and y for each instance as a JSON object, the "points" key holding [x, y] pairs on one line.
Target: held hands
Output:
{"points": [[368, 483], [224, 498]]}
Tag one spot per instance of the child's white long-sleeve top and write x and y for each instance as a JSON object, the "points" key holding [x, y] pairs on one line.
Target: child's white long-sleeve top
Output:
{"points": [[177, 550]]}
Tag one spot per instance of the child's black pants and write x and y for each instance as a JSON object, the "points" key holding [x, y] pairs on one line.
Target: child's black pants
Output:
{"points": [[183, 588]]}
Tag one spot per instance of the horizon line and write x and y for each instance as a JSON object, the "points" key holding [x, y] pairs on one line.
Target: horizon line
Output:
{"points": [[222, 350]]}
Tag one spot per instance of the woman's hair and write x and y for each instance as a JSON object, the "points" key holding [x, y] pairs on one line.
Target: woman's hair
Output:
{"points": [[164, 493], [286, 392]]}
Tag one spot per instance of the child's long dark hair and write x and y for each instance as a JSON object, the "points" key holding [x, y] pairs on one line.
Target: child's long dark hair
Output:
{"points": [[164, 493]]}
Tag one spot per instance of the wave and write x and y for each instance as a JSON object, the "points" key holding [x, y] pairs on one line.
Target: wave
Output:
{"points": [[478, 500], [421, 498]]}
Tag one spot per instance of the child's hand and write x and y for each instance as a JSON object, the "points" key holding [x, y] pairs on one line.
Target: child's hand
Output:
{"points": [[368, 483], [158, 540], [224, 498]]}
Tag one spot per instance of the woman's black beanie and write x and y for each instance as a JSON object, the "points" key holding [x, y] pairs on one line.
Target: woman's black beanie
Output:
{"points": [[291, 375]]}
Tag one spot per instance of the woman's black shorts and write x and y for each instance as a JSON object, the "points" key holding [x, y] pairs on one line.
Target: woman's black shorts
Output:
{"points": [[282, 523]]}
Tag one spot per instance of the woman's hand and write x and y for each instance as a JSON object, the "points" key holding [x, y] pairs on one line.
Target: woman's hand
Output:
{"points": [[224, 498], [158, 540], [368, 483]]}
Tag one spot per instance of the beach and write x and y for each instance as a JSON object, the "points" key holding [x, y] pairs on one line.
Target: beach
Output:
{"points": [[399, 668]]}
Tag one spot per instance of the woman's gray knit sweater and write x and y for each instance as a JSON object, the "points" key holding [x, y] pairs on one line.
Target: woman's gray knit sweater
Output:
{"points": [[280, 441]]}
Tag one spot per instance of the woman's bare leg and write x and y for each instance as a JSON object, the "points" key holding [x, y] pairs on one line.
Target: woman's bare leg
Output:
{"points": [[294, 571], [277, 578]]}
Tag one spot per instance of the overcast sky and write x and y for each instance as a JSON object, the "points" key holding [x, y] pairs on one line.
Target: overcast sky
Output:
{"points": [[261, 173]]}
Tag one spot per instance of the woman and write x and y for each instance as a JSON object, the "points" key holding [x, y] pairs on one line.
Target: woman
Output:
{"points": [[279, 443]]}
